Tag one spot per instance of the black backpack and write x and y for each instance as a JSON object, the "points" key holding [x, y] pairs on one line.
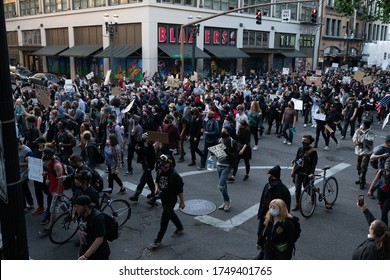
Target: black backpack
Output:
{"points": [[100, 156], [112, 227], [297, 228], [97, 181]]}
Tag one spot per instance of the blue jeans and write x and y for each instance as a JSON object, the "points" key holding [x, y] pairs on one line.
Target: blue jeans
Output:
{"points": [[223, 173], [286, 127]]}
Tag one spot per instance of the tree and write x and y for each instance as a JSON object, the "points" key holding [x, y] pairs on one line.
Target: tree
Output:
{"points": [[370, 10]]}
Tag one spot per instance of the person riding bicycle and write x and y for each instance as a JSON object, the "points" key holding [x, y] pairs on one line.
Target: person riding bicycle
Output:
{"points": [[304, 166], [82, 182]]}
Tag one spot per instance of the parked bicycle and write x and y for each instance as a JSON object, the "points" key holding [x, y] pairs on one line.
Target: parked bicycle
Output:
{"points": [[330, 191], [66, 225]]}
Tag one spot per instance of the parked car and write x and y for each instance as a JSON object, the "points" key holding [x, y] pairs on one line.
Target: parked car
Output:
{"points": [[20, 74], [44, 79]]}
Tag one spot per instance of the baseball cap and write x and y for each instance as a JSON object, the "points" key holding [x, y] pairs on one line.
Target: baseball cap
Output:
{"points": [[84, 200]]}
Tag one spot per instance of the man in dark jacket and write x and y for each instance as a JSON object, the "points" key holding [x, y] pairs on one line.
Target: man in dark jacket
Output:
{"points": [[273, 189]]}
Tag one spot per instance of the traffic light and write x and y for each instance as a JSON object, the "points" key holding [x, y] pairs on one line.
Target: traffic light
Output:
{"points": [[258, 17], [313, 16]]}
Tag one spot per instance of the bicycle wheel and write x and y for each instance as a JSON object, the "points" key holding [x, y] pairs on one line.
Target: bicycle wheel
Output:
{"points": [[120, 209], [331, 190], [308, 201], [63, 228]]}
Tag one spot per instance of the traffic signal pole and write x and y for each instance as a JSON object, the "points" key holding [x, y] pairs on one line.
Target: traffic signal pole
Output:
{"points": [[182, 27], [13, 225]]}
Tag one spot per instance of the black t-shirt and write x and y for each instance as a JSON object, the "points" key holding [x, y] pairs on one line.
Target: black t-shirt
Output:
{"points": [[170, 185], [90, 228]]}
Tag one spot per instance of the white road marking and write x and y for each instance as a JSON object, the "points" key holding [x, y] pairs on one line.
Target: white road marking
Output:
{"points": [[245, 215]]}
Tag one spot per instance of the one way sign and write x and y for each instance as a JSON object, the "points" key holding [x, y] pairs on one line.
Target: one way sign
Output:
{"points": [[286, 15]]}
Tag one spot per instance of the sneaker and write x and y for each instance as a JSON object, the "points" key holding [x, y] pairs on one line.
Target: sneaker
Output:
{"points": [[313, 125], [255, 148], [192, 163], [227, 206], [178, 232], [326, 148], [29, 207], [304, 125], [246, 177], [37, 211], [44, 222], [133, 198], [156, 243], [289, 143], [285, 141], [200, 168], [122, 191], [357, 182], [342, 137], [231, 179], [220, 207], [127, 173]]}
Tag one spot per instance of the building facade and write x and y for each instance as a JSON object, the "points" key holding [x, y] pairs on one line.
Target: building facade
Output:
{"points": [[68, 37]]}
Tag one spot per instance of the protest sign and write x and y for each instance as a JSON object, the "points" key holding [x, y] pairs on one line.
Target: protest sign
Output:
{"points": [[218, 150], [158, 136], [359, 75], [43, 95], [172, 82], [35, 169], [286, 71], [367, 80], [298, 104]]}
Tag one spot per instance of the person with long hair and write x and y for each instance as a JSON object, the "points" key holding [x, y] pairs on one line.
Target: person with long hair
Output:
{"points": [[113, 161], [255, 121], [377, 244], [277, 238]]}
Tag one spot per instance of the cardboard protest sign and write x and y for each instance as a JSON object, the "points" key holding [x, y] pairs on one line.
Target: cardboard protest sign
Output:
{"points": [[116, 91], [218, 150], [158, 136], [367, 80], [359, 75], [43, 95], [107, 79], [172, 82], [328, 128], [316, 80], [318, 72]]}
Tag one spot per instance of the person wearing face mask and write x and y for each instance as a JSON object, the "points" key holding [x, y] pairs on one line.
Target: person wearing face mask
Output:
{"points": [[277, 237], [382, 181], [289, 121], [350, 114], [304, 166], [211, 133], [225, 165], [274, 189], [168, 186], [363, 139], [377, 244]]}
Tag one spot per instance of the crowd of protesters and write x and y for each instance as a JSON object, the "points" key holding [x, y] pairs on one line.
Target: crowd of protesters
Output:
{"points": [[98, 118]]}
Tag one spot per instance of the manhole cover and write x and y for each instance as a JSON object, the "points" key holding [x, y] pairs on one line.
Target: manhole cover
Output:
{"points": [[334, 158], [198, 207]]}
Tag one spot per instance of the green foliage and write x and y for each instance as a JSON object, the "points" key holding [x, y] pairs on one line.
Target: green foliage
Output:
{"points": [[347, 7]]}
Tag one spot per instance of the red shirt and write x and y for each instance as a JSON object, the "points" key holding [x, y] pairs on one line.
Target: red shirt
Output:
{"points": [[53, 185]]}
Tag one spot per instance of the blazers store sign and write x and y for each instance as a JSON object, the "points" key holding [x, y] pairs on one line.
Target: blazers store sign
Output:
{"points": [[170, 34]]}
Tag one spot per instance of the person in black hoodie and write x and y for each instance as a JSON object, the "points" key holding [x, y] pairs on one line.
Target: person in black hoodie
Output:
{"points": [[148, 161], [273, 189], [377, 244]]}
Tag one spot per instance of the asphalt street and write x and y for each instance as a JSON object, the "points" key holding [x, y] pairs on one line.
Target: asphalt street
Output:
{"points": [[327, 235]]}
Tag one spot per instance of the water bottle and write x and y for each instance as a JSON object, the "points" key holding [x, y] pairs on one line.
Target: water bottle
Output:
{"points": [[210, 163]]}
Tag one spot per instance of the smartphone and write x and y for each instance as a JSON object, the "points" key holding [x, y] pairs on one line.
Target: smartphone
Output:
{"points": [[361, 199]]}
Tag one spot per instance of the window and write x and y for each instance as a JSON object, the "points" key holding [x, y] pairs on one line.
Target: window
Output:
{"points": [[52, 6], [265, 10], [385, 56], [29, 7], [333, 27], [277, 10], [255, 39], [10, 10], [84, 4], [338, 30], [330, 3], [328, 26], [32, 37]]}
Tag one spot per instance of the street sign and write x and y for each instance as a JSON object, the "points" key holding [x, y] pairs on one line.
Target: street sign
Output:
{"points": [[286, 15]]}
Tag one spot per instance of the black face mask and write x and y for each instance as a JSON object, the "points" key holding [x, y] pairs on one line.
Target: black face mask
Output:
{"points": [[272, 181], [305, 145], [224, 135]]}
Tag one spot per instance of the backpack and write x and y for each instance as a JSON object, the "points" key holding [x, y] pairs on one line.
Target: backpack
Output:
{"points": [[112, 227], [97, 181], [100, 156], [68, 172]]}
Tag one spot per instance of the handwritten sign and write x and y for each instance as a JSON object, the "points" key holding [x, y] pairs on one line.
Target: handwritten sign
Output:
{"points": [[367, 80], [107, 79], [335, 65], [158, 136], [320, 117], [218, 150], [298, 104], [286, 71], [171, 82], [43, 95], [314, 80], [359, 75], [318, 72], [116, 91], [35, 169]]}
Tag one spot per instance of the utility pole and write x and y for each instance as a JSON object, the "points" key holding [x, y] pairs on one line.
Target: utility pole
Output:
{"points": [[13, 225], [182, 27]]}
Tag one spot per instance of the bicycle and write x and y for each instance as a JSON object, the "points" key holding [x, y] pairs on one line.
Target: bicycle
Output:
{"points": [[66, 225], [330, 191]]}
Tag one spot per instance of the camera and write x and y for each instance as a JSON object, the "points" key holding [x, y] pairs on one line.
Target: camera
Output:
{"points": [[361, 199]]}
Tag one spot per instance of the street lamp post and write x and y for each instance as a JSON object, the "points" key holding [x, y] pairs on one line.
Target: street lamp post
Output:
{"points": [[194, 33], [111, 29]]}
